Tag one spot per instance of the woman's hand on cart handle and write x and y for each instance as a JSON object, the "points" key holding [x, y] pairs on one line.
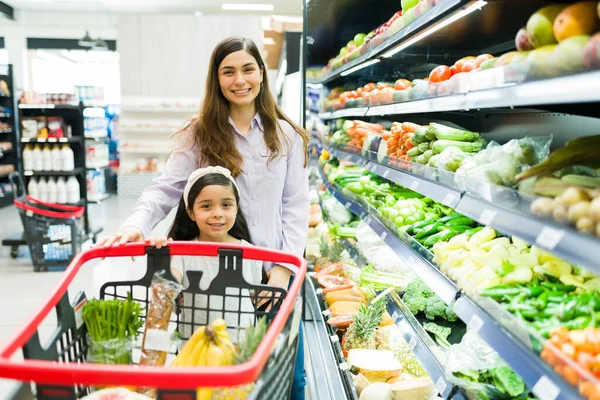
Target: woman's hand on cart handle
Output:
{"points": [[125, 235], [158, 241], [278, 276]]}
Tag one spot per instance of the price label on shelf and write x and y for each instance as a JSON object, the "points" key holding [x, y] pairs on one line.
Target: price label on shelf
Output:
{"points": [[487, 217], [383, 235], [348, 204], [362, 215], [42, 140], [52, 140], [450, 200], [549, 237], [414, 185], [475, 323], [395, 315], [545, 389], [319, 291], [386, 173], [344, 366], [441, 385], [334, 338], [412, 343], [63, 140], [326, 313], [28, 173], [368, 220], [25, 140]]}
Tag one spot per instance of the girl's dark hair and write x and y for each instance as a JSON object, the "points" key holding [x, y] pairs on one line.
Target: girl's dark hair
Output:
{"points": [[183, 228]]}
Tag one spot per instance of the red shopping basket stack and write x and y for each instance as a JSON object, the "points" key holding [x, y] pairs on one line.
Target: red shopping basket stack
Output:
{"points": [[59, 370], [53, 231]]}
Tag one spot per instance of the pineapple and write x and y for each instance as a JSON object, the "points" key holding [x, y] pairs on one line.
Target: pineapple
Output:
{"points": [[335, 253], [323, 260], [246, 348], [363, 332]]}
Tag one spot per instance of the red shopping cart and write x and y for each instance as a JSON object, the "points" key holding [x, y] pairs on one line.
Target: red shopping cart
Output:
{"points": [[60, 370], [53, 232]]}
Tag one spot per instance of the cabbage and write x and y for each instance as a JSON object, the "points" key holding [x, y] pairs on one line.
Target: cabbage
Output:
{"points": [[338, 214]]}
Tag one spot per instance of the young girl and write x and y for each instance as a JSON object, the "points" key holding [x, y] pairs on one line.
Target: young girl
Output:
{"points": [[209, 212]]}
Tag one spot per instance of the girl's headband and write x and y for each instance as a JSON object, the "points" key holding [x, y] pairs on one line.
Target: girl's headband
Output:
{"points": [[197, 174]]}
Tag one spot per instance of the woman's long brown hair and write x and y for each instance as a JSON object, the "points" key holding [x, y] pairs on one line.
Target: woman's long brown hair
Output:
{"points": [[213, 133]]}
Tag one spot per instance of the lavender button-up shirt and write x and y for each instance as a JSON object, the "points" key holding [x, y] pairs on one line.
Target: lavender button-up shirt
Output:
{"points": [[273, 197]]}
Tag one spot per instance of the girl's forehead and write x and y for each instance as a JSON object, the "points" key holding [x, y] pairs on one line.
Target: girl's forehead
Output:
{"points": [[216, 191], [238, 59]]}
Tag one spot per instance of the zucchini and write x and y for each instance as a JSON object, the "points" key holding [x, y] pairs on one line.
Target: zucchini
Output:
{"points": [[443, 132], [468, 147], [460, 221]]}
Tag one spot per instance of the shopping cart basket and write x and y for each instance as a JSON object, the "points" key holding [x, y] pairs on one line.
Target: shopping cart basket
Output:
{"points": [[59, 370], [53, 232]]}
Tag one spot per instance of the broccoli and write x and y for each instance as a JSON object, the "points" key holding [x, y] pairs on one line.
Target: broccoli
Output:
{"points": [[440, 333], [418, 297]]}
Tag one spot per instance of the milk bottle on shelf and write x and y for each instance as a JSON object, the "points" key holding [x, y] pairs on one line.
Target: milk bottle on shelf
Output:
{"points": [[38, 160], [47, 157], [73, 194], [28, 158], [32, 188], [43, 189], [61, 190], [67, 158], [52, 191], [57, 162]]}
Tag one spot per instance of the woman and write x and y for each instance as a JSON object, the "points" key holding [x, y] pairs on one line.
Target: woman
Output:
{"points": [[241, 128]]}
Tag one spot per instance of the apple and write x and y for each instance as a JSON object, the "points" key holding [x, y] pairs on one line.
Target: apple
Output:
{"points": [[408, 4], [359, 38]]}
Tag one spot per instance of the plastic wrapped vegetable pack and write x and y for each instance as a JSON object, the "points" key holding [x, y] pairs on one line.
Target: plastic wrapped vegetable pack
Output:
{"points": [[500, 165], [476, 367]]}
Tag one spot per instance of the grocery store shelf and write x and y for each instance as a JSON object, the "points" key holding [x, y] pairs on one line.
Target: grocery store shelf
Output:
{"points": [[96, 138], [516, 348], [405, 33], [6, 130], [5, 115], [579, 88], [324, 354], [504, 338], [422, 345], [75, 139], [48, 106], [504, 209], [76, 171], [97, 168], [135, 150], [132, 108], [406, 248]]}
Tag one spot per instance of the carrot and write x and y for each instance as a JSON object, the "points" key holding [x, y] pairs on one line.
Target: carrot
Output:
{"points": [[386, 135], [410, 127], [368, 125], [408, 145]]}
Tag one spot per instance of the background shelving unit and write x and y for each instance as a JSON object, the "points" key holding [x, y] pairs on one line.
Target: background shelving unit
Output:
{"points": [[8, 134], [565, 106]]}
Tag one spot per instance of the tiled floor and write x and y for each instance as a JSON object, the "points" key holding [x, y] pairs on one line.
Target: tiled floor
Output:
{"points": [[23, 291]]}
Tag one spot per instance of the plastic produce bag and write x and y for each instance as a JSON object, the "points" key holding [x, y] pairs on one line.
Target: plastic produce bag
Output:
{"points": [[157, 338], [338, 214], [451, 159], [472, 361], [112, 351], [500, 164]]}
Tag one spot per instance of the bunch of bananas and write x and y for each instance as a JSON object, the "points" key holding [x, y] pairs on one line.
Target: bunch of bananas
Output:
{"points": [[210, 345]]}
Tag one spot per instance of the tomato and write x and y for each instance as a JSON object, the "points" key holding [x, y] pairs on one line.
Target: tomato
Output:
{"points": [[382, 85], [459, 64], [454, 70], [481, 59], [332, 281], [468, 66], [402, 84], [344, 97], [353, 95], [369, 87], [439, 74], [359, 91]]}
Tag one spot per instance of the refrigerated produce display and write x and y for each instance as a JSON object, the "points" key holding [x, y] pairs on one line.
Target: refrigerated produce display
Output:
{"points": [[456, 209], [8, 143]]}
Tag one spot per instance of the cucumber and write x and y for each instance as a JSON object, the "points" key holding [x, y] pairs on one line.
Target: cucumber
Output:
{"points": [[460, 221]]}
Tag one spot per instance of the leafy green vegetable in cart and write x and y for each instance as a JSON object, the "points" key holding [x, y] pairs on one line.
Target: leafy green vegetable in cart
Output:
{"points": [[112, 319]]}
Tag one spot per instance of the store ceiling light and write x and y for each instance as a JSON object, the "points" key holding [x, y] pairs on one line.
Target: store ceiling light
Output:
{"points": [[247, 7], [86, 40], [477, 5], [360, 66]]}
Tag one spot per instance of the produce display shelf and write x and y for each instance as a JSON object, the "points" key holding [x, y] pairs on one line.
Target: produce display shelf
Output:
{"points": [[422, 345], [75, 171], [503, 209], [501, 338], [51, 140], [436, 13], [578, 88], [544, 382], [426, 271], [324, 353]]}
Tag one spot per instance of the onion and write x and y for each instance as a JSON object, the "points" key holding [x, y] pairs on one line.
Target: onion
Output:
{"points": [[578, 211], [585, 224], [573, 195], [542, 207], [559, 213], [595, 209]]}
